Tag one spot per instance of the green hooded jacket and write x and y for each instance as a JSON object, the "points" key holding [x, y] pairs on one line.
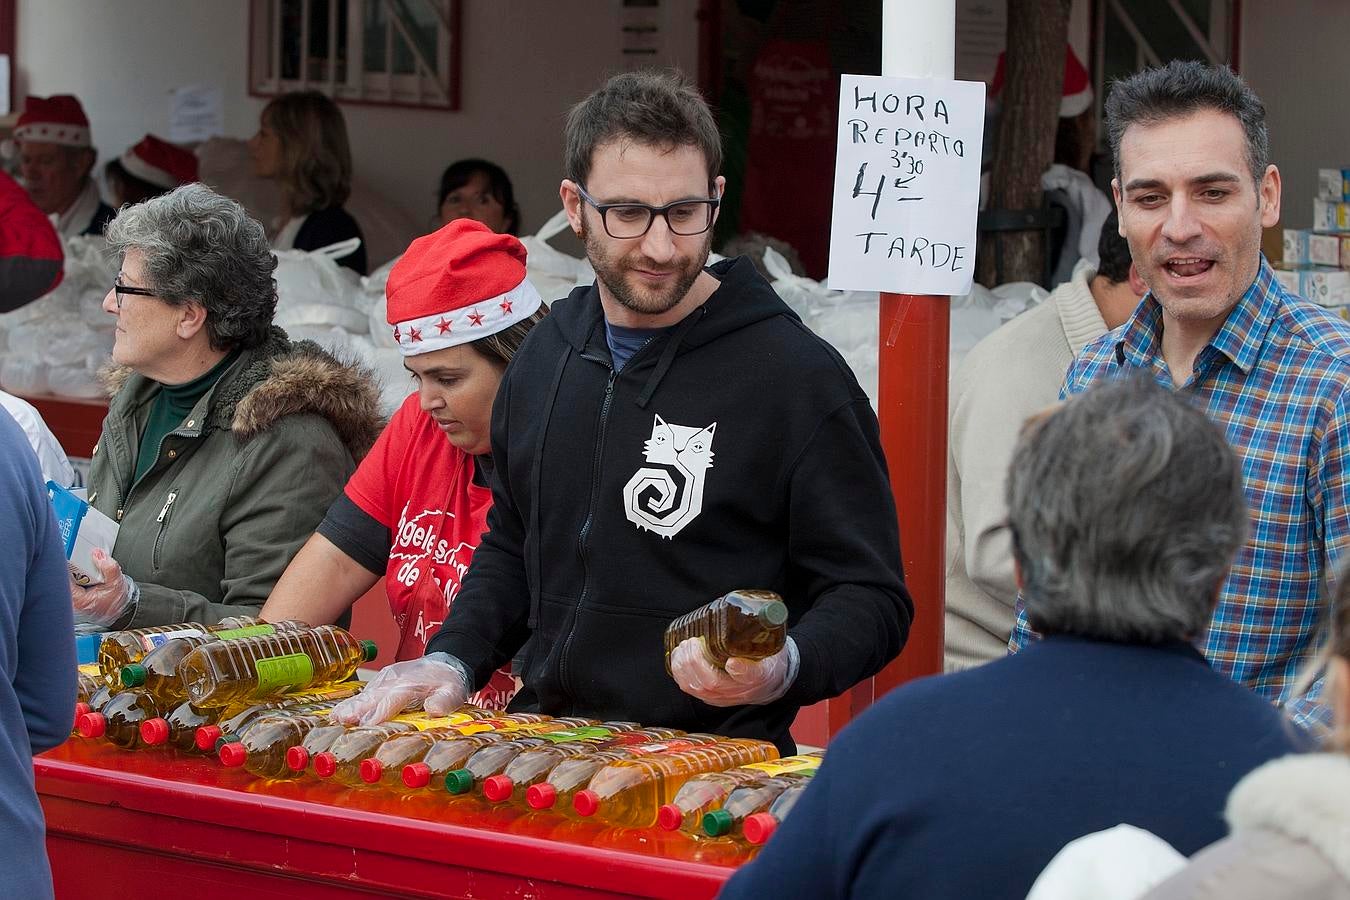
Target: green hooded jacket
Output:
{"points": [[238, 487]]}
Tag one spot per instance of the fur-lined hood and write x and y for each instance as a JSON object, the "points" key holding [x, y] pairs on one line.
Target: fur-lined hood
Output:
{"points": [[281, 379], [1304, 797]]}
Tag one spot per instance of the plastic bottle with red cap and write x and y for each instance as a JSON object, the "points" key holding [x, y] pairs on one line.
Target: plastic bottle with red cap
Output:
{"points": [[265, 745], [386, 765], [451, 753], [759, 827], [229, 725], [708, 792], [351, 751], [119, 721], [220, 673], [555, 793], [629, 792], [490, 761], [122, 648], [533, 766]]}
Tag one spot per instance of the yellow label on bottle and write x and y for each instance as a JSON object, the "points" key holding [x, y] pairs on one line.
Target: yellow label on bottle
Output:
{"points": [[423, 723], [246, 631], [151, 641], [786, 765], [90, 669], [292, 670]]}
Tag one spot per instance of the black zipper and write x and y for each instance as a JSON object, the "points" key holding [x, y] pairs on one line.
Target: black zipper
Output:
{"points": [[564, 670]]}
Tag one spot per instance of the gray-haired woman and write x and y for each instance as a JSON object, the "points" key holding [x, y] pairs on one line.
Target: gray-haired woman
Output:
{"points": [[224, 442]]}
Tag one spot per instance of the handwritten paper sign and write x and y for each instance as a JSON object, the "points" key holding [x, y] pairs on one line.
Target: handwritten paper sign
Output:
{"points": [[196, 112], [906, 185]]}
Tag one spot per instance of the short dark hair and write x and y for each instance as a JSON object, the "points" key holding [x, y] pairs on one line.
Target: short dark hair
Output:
{"points": [[1126, 507], [457, 174], [1183, 87], [201, 247], [127, 187], [1113, 251], [658, 107]]}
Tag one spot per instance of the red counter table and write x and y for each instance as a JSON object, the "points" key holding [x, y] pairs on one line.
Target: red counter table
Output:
{"points": [[154, 824]]}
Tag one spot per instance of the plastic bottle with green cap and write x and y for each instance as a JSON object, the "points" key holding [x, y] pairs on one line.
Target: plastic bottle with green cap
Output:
{"points": [[342, 761], [386, 766], [628, 792], [746, 800], [452, 752], [221, 673], [759, 827], [533, 765], [122, 648], [745, 623], [157, 672], [489, 762], [706, 793]]}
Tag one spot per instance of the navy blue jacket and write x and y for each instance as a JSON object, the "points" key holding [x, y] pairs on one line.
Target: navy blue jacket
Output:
{"points": [[966, 785], [37, 657]]}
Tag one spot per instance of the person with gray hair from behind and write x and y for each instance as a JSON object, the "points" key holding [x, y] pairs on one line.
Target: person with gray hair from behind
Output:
{"points": [[1125, 507], [224, 442]]}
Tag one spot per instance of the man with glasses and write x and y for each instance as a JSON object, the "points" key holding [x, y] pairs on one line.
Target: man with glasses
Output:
{"points": [[665, 436]]}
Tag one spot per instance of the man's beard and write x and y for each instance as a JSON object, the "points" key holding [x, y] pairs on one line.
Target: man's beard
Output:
{"points": [[612, 272]]}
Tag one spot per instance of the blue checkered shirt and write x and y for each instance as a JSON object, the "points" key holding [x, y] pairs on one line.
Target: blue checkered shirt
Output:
{"points": [[1274, 378]]}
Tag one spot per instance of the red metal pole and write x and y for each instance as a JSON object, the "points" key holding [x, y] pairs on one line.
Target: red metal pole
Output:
{"points": [[912, 353]]}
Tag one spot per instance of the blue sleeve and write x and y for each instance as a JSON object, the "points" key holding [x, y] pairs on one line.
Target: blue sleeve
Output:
{"points": [[44, 679], [803, 856]]}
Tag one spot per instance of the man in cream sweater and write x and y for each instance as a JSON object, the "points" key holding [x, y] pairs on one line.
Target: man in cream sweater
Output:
{"points": [[1011, 374]]}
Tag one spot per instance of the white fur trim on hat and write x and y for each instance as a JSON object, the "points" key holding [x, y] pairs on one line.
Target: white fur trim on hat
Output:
{"points": [[146, 172], [462, 326], [1071, 105], [54, 133]]}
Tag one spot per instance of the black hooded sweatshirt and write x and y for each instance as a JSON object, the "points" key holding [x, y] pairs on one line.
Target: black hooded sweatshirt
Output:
{"points": [[734, 450]]}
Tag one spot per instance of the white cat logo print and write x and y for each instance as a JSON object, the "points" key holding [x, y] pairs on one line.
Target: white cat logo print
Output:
{"points": [[667, 494]]}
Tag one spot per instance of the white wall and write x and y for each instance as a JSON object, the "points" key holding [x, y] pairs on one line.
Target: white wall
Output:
{"points": [[524, 62], [1293, 54]]}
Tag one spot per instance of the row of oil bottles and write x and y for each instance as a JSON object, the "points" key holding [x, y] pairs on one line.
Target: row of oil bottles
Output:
{"points": [[258, 696]]}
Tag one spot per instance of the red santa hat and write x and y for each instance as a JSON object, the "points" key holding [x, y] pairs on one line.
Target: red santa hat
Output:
{"points": [[456, 285], [160, 163], [1076, 95], [58, 119]]}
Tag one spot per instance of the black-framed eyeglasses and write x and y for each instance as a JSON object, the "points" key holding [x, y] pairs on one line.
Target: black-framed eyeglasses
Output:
{"points": [[632, 220], [120, 290]]}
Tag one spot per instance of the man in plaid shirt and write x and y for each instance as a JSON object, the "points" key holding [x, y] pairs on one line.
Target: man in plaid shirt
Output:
{"points": [[1194, 189]]}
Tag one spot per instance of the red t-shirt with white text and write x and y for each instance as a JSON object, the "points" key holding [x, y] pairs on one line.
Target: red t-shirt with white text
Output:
{"points": [[420, 486]]}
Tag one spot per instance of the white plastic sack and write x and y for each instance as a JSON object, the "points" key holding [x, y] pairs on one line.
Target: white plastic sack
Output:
{"points": [[312, 289], [394, 382], [553, 273], [979, 313]]}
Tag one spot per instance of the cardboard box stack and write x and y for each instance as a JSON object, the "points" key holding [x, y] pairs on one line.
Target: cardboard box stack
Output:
{"points": [[1316, 262]]}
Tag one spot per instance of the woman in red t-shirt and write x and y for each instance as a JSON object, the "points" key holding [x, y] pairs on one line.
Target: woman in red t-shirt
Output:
{"points": [[415, 510]]}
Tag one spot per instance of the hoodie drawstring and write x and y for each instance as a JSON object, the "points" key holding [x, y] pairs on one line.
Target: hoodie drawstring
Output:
{"points": [[668, 356]]}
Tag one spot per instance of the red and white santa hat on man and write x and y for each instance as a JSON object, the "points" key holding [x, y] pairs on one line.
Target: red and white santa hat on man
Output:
{"points": [[456, 285], [160, 163], [1077, 91], [58, 119]]}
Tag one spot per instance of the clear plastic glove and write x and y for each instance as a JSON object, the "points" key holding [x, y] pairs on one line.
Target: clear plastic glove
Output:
{"points": [[744, 681], [439, 680], [103, 604]]}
